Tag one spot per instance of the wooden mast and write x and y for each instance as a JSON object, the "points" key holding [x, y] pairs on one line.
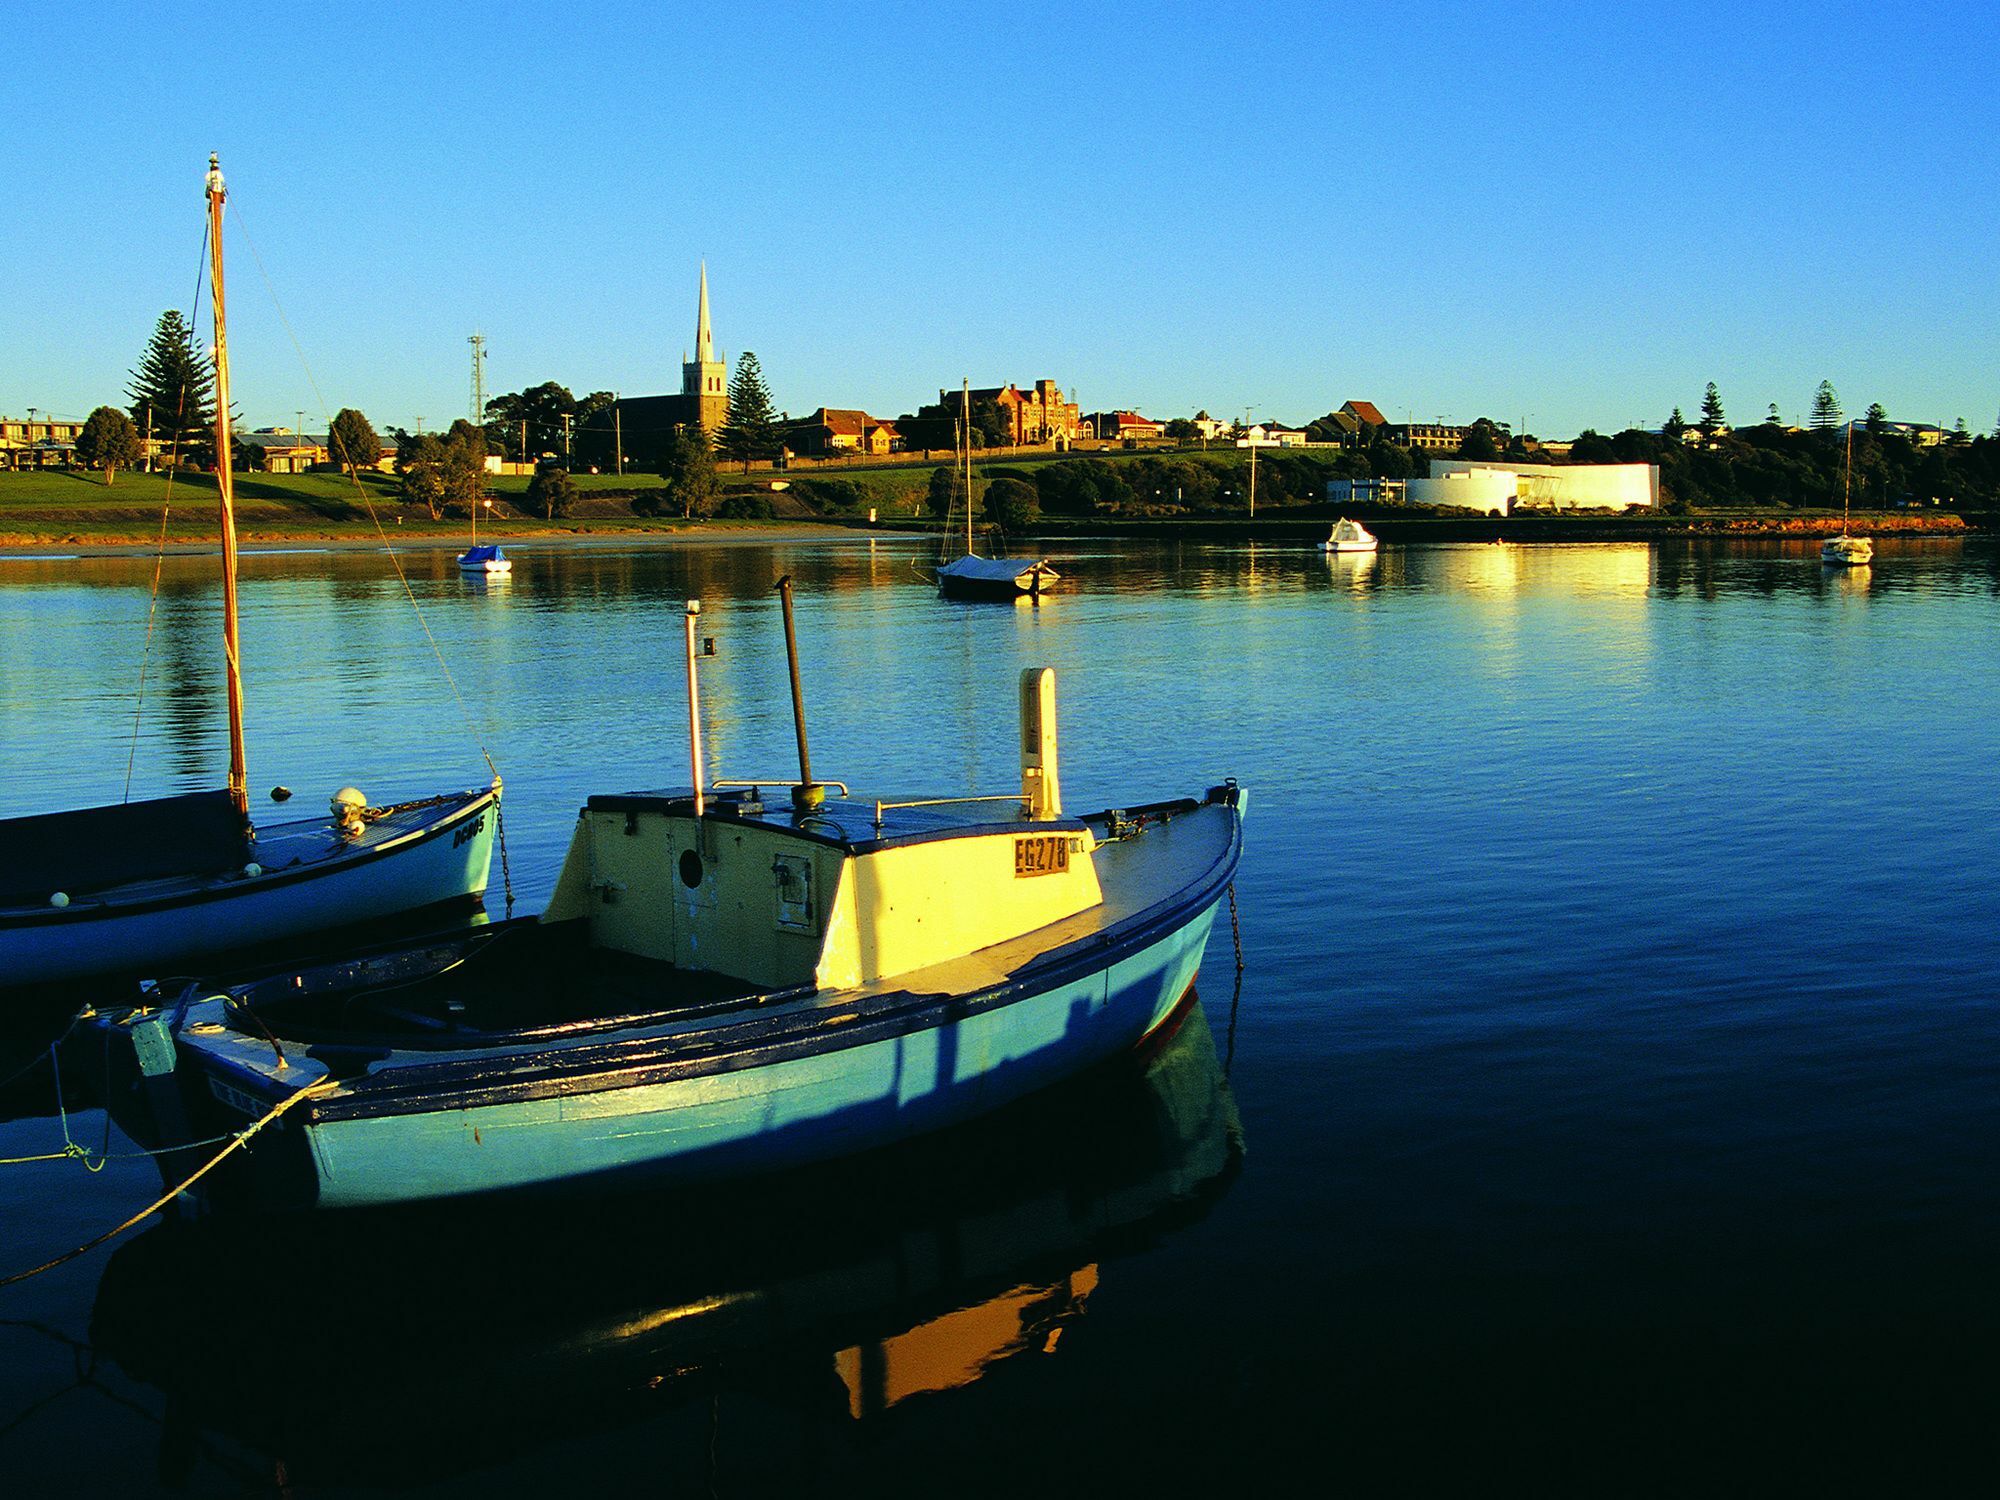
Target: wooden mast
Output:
{"points": [[239, 775], [966, 409]]}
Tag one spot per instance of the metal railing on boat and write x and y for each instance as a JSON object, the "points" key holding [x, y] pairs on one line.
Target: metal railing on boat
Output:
{"points": [[882, 807]]}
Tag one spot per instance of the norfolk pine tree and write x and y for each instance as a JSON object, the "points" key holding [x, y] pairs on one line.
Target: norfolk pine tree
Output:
{"points": [[173, 386], [1825, 408], [1711, 411], [750, 431]]}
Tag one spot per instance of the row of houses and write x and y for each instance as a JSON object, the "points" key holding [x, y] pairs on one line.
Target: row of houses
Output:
{"points": [[48, 443], [33, 443]]}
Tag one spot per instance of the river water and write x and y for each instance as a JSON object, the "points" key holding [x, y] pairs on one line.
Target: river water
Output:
{"points": [[1608, 1101]]}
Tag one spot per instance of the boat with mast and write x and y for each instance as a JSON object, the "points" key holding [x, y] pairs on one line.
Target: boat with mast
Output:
{"points": [[970, 576], [150, 887], [477, 559], [1846, 551]]}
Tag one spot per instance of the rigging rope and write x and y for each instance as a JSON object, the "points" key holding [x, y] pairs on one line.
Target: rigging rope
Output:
{"points": [[310, 1091], [354, 478], [166, 509]]}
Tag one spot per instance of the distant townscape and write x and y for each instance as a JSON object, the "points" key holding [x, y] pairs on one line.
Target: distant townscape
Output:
{"points": [[1352, 455]]}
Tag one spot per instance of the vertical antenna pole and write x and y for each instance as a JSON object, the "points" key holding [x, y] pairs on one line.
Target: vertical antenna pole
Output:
{"points": [[694, 707], [808, 793], [239, 775]]}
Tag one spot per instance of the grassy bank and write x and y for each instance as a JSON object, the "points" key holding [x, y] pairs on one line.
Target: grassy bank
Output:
{"points": [[58, 507], [53, 508]]}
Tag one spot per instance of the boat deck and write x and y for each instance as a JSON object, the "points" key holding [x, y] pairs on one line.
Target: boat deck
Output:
{"points": [[276, 847], [527, 984]]}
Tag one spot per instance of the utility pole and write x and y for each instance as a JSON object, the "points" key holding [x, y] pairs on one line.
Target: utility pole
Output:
{"points": [[569, 457], [149, 437], [478, 342], [420, 426], [524, 440], [618, 435], [298, 442]]}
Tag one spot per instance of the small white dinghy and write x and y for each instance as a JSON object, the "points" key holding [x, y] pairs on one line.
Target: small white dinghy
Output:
{"points": [[1349, 536]]}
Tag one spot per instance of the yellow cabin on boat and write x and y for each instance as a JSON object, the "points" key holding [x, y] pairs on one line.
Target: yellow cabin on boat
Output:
{"points": [[837, 895]]}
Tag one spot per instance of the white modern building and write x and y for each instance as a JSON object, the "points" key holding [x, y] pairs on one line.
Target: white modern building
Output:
{"points": [[1497, 488]]}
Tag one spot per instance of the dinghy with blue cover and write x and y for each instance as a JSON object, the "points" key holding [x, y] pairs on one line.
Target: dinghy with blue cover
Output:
{"points": [[487, 558], [720, 985]]}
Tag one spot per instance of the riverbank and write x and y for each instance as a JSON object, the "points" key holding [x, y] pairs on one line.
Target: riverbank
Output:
{"points": [[77, 514], [678, 534]]}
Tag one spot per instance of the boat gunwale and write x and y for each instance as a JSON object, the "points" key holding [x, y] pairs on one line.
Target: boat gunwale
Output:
{"points": [[607, 1061], [679, 803], [215, 888]]}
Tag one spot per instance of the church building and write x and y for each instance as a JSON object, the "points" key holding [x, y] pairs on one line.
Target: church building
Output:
{"points": [[643, 426]]}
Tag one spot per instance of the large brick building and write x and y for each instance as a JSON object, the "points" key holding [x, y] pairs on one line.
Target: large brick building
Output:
{"points": [[1036, 415]]}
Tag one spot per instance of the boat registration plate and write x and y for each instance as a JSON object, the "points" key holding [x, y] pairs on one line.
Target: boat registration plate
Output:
{"points": [[1040, 854], [236, 1099]]}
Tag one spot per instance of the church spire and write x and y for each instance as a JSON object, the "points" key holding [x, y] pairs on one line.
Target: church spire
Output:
{"points": [[704, 345]]}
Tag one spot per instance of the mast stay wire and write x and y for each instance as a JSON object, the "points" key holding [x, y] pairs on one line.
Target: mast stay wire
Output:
{"points": [[451, 679], [166, 509]]}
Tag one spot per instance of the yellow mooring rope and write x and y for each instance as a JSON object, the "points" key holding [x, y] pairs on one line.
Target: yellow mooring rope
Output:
{"points": [[310, 1091]]}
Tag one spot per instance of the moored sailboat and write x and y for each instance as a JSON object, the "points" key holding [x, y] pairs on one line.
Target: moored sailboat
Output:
{"points": [[159, 885], [1844, 550], [970, 576]]}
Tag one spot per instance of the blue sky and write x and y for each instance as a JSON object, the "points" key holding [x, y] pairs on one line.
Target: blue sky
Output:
{"points": [[1575, 214]]}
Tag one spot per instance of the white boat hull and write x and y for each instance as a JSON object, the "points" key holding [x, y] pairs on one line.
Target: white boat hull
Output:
{"points": [[162, 927]]}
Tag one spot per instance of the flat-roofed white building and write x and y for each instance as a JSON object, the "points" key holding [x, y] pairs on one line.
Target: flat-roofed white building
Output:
{"points": [[1498, 487]]}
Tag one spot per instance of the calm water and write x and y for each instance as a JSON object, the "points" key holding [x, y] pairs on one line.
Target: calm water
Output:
{"points": [[1611, 1090]]}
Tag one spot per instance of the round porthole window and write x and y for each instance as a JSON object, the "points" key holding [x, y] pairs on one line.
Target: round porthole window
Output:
{"points": [[690, 869]]}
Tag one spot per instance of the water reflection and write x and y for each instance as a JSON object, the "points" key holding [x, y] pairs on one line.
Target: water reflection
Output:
{"points": [[430, 1342]]}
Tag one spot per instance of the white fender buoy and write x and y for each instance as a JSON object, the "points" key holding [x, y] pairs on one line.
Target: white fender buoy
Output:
{"points": [[253, 869], [60, 898]]}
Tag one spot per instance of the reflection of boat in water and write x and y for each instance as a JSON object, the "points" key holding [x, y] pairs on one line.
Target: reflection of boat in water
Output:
{"points": [[835, 1293]]}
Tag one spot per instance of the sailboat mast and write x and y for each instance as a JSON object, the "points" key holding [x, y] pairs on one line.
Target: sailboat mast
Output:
{"points": [[239, 774], [965, 406], [1846, 477]]}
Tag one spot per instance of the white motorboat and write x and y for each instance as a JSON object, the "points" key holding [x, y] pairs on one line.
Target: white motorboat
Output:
{"points": [[1349, 536]]}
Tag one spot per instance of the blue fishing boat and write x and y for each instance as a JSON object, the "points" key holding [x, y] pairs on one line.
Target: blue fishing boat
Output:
{"points": [[721, 984], [161, 885]]}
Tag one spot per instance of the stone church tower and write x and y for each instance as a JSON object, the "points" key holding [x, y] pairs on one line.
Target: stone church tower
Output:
{"points": [[704, 379]]}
